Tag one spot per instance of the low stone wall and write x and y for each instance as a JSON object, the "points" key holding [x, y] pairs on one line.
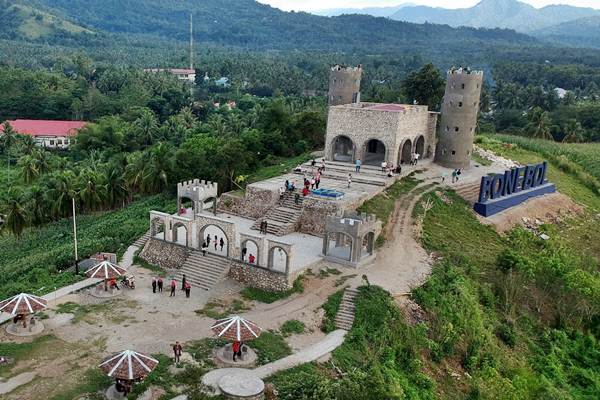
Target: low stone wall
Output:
{"points": [[253, 205], [164, 254], [257, 277], [314, 215]]}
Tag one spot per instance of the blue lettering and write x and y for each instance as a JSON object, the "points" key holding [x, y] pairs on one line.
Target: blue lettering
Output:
{"points": [[518, 183], [497, 186], [538, 175], [484, 189], [545, 164], [528, 177], [509, 178]]}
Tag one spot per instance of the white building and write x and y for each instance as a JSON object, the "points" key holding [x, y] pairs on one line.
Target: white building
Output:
{"points": [[184, 74], [49, 134]]}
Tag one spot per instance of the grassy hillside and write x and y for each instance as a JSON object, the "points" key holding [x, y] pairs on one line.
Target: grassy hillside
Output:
{"points": [[23, 21]]}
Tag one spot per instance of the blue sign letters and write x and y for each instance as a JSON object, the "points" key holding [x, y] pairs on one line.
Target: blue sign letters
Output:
{"points": [[502, 191]]}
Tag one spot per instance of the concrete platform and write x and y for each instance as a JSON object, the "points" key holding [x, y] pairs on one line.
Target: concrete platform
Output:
{"points": [[31, 330], [223, 357], [235, 386]]}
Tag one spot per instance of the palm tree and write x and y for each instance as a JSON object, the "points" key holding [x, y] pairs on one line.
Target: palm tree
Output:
{"points": [[61, 191], [38, 205], [9, 136], [146, 127], [539, 124], [27, 145], [29, 168], [159, 169], [116, 189], [43, 161], [16, 215], [92, 192], [134, 172]]}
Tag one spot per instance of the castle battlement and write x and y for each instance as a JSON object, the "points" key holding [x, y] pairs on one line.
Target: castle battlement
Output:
{"points": [[345, 68], [197, 183]]}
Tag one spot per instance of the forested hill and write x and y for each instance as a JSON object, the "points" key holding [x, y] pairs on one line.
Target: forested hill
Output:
{"points": [[246, 23]]}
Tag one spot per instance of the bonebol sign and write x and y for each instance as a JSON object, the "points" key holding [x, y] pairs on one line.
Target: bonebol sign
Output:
{"points": [[501, 191]]}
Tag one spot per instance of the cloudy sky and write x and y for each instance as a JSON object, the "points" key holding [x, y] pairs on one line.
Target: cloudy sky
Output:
{"points": [[308, 5]]}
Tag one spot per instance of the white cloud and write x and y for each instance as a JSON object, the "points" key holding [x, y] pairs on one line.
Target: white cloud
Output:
{"points": [[310, 5]]}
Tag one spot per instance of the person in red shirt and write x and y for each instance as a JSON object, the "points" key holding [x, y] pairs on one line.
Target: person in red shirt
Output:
{"points": [[251, 258], [237, 349], [187, 288], [173, 287]]}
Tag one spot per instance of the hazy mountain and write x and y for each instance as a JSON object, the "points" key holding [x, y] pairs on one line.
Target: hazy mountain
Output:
{"points": [[374, 11], [511, 14], [579, 32], [248, 24]]}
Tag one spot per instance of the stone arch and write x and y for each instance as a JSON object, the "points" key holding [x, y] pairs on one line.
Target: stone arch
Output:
{"points": [[279, 259], [342, 149], [374, 152], [209, 203], [176, 236], [184, 202], [368, 244], [158, 228], [420, 147], [252, 247], [339, 245], [215, 230], [405, 153]]}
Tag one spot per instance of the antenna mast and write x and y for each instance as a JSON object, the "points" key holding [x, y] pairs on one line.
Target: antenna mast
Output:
{"points": [[191, 42]]}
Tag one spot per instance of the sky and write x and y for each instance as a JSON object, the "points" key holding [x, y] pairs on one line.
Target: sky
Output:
{"points": [[311, 5]]}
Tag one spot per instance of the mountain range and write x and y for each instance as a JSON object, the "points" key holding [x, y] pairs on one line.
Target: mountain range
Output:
{"points": [[563, 23]]}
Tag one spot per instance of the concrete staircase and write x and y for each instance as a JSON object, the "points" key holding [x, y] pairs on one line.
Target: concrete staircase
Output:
{"points": [[204, 271], [282, 220], [468, 191], [369, 174], [345, 315], [141, 242]]}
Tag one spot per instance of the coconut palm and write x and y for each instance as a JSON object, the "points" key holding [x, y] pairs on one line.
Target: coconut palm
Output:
{"points": [[29, 168], [16, 215], [61, 191], [574, 132], [92, 189], [44, 161], [9, 136], [539, 124], [159, 169], [116, 189], [38, 205], [146, 127]]}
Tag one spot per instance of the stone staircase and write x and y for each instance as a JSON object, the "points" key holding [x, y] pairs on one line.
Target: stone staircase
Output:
{"points": [[468, 191], [369, 174], [345, 315], [141, 242], [283, 219], [204, 271]]}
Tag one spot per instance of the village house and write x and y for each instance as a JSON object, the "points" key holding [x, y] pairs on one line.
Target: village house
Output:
{"points": [[49, 134], [184, 74]]}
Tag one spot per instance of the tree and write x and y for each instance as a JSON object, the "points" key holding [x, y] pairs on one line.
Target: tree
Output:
{"points": [[9, 137], [14, 208], [425, 86], [539, 124], [574, 132], [29, 168], [146, 127]]}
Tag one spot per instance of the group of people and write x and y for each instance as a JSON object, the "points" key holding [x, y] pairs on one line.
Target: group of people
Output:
{"points": [[218, 244], [388, 169], [157, 286], [251, 257]]}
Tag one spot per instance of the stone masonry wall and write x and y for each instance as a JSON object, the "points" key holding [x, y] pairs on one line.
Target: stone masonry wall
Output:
{"points": [[164, 254], [256, 277], [314, 215], [253, 205]]}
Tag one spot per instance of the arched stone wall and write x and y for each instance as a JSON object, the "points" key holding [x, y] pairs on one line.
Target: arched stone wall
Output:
{"points": [[405, 152], [286, 248], [346, 146], [227, 227], [377, 157], [261, 260]]}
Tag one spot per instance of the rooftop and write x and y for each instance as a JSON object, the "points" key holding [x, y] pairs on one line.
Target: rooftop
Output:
{"points": [[176, 71], [386, 107], [34, 127]]}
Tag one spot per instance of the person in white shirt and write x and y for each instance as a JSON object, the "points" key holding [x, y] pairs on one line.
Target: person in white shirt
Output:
{"points": [[383, 166]]}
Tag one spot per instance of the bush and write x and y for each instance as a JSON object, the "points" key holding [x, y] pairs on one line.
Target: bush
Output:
{"points": [[331, 308], [292, 326], [265, 296]]}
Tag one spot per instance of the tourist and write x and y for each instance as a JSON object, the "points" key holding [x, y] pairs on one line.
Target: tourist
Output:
{"points": [[251, 259], [454, 175], [173, 287], [244, 251], [389, 173], [281, 193], [236, 348], [266, 225], [204, 248], [417, 155], [398, 169], [305, 191], [216, 242], [287, 185], [154, 285], [222, 243], [323, 165], [177, 350], [349, 180], [313, 182], [313, 163], [208, 240], [292, 186], [317, 182], [187, 288], [160, 284], [183, 279], [383, 166], [297, 199], [458, 172], [444, 174], [357, 164], [298, 168]]}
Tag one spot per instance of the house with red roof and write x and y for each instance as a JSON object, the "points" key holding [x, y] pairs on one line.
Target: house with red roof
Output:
{"points": [[47, 133]]}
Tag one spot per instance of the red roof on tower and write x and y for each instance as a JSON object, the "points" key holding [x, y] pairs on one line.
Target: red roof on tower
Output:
{"points": [[35, 127]]}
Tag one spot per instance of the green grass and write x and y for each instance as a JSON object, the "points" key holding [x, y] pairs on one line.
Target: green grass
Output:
{"points": [[331, 307], [292, 326], [22, 351], [270, 346], [31, 263], [93, 382], [202, 350], [265, 296], [480, 160], [218, 309], [278, 166]]}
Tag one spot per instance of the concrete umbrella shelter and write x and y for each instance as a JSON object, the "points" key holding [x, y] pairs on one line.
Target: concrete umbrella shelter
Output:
{"points": [[238, 330], [106, 270], [126, 367], [21, 305]]}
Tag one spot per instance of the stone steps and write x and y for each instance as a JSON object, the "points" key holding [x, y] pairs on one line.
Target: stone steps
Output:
{"points": [[282, 220], [345, 315], [141, 242], [204, 271], [356, 178]]}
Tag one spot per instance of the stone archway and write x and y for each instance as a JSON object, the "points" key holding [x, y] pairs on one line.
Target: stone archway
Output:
{"points": [[252, 249], [406, 152], [216, 233], [342, 149], [158, 228], [180, 237], [340, 245], [374, 152], [279, 259], [420, 147]]}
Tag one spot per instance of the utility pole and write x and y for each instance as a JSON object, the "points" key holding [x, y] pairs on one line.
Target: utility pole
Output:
{"points": [[191, 42], [75, 240]]}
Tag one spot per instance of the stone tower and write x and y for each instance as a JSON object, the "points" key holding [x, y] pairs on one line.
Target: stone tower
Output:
{"points": [[344, 85], [459, 118]]}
